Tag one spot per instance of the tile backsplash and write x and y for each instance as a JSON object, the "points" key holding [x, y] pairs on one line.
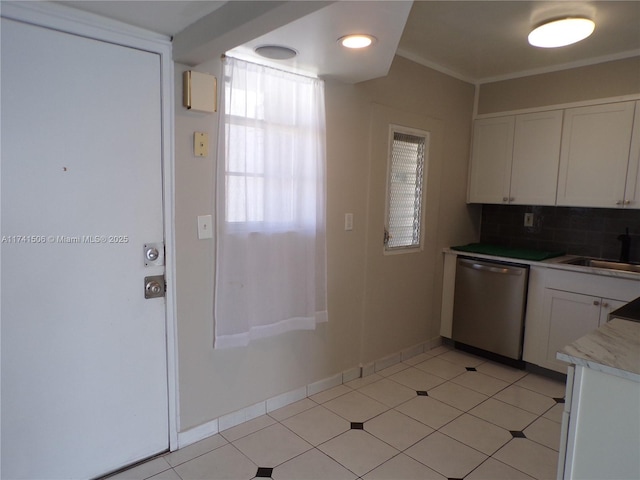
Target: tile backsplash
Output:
{"points": [[590, 232]]}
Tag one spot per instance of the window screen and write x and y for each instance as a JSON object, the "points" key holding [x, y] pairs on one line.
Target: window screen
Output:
{"points": [[405, 185]]}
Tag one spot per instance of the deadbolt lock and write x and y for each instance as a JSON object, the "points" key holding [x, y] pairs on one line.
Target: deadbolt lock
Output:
{"points": [[153, 254]]}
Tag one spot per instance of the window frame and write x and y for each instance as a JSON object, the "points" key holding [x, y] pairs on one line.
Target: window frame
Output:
{"points": [[259, 122], [394, 128]]}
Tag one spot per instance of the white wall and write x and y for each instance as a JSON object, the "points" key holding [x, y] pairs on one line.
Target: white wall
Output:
{"points": [[602, 80], [212, 382]]}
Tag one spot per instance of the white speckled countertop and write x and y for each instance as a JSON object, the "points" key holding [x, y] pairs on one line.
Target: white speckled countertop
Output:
{"points": [[613, 348]]}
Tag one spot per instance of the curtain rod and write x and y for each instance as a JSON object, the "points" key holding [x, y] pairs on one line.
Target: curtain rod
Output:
{"points": [[310, 76]]}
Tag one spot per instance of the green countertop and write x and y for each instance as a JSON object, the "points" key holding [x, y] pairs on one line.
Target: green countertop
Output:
{"points": [[499, 251]]}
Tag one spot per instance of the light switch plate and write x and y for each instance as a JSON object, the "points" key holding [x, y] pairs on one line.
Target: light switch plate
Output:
{"points": [[528, 219], [348, 221], [205, 227]]}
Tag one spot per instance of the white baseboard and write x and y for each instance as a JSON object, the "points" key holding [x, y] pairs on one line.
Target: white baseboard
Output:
{"points": [[262, 408], [351, 374], [387, 362], [286, 399], [198, 433], [368, 369], [243, 415], [324, 384], [433, 343], [413, 351]]}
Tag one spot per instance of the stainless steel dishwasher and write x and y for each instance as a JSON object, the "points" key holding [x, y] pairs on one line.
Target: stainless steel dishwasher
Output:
{"points": [[489, 304]]}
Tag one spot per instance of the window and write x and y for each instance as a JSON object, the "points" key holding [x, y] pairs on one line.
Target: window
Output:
{"points": [[405, 185], [270, 199]]}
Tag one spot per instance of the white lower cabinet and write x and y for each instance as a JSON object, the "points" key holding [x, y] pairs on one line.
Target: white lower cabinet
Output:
{"points": [[600, 427], [572, 315], [563, 305]]}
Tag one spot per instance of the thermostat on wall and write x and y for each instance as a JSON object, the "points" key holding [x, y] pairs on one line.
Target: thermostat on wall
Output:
{"points": [[199, 91]]}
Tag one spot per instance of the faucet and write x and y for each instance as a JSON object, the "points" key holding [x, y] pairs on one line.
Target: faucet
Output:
{"points": [[625, 248]]}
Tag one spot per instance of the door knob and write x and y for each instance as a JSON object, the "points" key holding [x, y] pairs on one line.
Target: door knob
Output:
{"points": [[154, 286]]}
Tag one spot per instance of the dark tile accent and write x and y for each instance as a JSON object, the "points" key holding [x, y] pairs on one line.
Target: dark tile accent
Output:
{"points": [[471, 369], [264, 472], [591, 232], [559, 400], [357, 426], [422, 393], [517, 434]]}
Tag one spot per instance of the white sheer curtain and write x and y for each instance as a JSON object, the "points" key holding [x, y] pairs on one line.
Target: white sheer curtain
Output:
{"points": [[271, 258]]}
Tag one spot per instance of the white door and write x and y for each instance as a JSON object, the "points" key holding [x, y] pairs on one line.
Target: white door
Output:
{"points": [[84, 355]]}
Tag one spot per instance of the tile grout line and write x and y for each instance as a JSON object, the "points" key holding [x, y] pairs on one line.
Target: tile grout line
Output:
{"points": [[388, 408]]}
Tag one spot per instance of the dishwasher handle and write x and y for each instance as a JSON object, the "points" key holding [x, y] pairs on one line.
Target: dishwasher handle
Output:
{"points": [[504, 270]]}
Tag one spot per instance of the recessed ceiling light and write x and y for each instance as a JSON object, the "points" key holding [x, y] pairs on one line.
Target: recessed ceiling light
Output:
{"points": [[561, 32], [357, 41], [276, 52]]}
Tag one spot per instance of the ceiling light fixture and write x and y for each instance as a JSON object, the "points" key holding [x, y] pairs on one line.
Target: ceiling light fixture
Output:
{"points": [[561, 31], [359, 40], [276, 52]]}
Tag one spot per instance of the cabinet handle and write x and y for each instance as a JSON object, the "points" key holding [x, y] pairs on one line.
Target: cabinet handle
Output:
{"points": [[627, 202], [596, 303], [605, 305], [512, 199], [620, 202], [505, 199]]}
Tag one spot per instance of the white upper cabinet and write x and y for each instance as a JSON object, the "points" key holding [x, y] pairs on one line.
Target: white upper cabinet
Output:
{"points": [[536, 154], [491, 156], [515, 159], [595, 157], [632, 189]]}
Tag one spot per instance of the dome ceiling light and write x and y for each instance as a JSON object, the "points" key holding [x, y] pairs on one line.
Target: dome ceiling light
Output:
{"points": [[357, 40], [276, 52], [561, 31]]}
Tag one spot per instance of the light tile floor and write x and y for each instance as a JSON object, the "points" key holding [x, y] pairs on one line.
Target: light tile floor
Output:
{"points": [[444, 414]]}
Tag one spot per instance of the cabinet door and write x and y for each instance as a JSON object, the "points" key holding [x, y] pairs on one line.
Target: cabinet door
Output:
{"points": [[571, 315], [491, 160], [536, 154], [595, 155], [632, 189]]}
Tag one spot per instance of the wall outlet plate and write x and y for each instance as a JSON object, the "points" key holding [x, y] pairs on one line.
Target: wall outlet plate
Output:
{"points": [[528, 219]]}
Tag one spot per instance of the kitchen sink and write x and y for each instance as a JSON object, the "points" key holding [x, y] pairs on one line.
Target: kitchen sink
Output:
{"points": [[608, 264]]}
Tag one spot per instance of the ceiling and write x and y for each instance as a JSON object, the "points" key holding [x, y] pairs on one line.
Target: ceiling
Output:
{"points": [[476, 41]]}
